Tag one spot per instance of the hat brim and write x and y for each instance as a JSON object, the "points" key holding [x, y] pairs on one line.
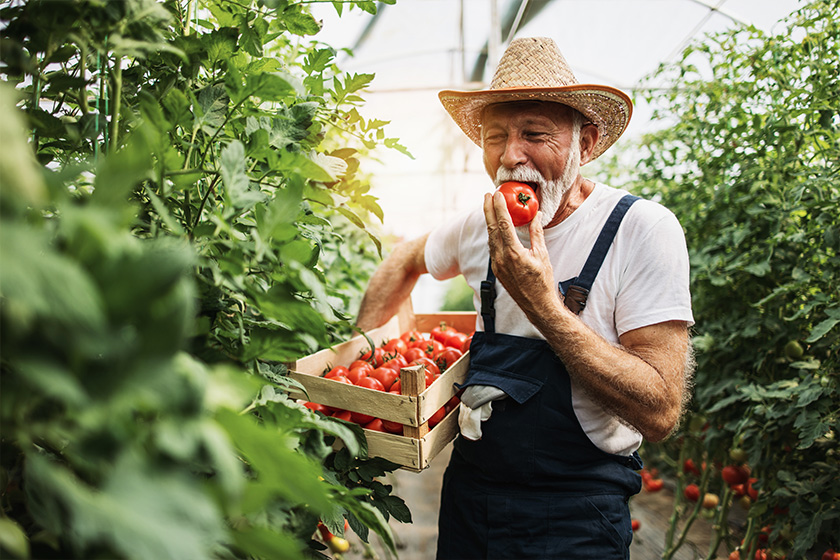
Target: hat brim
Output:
{"points": [[608, 108]]}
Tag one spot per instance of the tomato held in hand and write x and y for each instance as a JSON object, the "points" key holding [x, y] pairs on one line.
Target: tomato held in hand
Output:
{"points": [[521, 202]]}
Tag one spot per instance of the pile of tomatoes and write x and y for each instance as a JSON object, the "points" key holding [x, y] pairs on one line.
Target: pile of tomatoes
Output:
{"points": [[379, 369]]}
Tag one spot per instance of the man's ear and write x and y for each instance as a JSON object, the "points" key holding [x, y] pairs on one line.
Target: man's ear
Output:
{"points": [[589, 135]]}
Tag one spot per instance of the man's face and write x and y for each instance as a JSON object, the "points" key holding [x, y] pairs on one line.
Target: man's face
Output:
{"points": [[535, 143]]}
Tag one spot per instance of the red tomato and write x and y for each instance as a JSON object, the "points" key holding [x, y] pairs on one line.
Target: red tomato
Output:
{"points": [[362, 364], [336, 371], [396, 387], [429, 364], [521, 202], [341, 379], [396, 363], [357, 374], [751, 492], [392, 427], [317, 407], [441, 332], [395, 346], [452, 403], [456, 340], [371, 383], [653, 484], [466, 345], [635, 524], [690, 467], [830, 555], [411, 336], [447, 358], [692, 492], [375, 425], [734, 474], [375, 357], [413, 353], [386, 376], [343, 415], [360, 418], [439, 415]]}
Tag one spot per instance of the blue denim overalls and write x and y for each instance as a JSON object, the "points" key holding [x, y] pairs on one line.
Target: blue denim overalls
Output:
{"points": [[534, 485]]}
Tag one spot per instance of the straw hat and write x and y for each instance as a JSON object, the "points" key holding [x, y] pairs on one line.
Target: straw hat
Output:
{"points": [[533, 68]]}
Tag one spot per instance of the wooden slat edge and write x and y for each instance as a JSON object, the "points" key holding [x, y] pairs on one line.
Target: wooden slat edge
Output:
{"points": [[439, 393], [436, 440], [402, 450]]}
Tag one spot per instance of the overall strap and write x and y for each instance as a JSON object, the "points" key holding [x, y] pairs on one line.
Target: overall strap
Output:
{"points": [[577, 293], [488, 298]]}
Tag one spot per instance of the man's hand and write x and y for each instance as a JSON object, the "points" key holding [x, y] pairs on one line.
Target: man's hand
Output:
{"points": [[525, 273]]}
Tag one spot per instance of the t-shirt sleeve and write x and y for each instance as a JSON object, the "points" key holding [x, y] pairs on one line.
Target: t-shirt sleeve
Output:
{"points": [[442, 249], [655, 285]]}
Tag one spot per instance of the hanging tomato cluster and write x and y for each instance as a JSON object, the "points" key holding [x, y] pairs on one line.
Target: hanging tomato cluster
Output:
{"points": [[379, 369]]}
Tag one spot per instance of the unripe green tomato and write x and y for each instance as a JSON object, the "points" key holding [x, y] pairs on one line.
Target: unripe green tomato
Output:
{"points": [[738, 455], [794, 350]]}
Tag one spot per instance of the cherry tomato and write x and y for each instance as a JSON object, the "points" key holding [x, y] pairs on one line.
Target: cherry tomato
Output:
{"points": [[711, 501], [521, 202], [692, 492], [734, 474], [653, 484], [690, 467], [635, 524]]}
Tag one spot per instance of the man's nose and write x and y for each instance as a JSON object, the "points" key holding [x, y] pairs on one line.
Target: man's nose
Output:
{"points": [[514, 153]]}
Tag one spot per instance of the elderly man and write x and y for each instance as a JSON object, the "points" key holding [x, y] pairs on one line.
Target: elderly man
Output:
{"points": [[582, 346]]}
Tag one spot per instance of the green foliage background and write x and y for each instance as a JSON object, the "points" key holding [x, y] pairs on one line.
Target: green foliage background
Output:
{"points": [[183, 210], [749, 160]]}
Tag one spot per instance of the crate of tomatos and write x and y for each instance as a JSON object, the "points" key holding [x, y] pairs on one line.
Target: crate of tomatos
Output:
{"points": [[402, 391]]}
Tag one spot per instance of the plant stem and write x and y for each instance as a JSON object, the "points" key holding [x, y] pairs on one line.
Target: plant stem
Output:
{"points": [[720, 526], [117, 97]]}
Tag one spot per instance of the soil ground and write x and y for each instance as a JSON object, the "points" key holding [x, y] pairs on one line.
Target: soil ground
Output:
{"points": [[421, 492]]}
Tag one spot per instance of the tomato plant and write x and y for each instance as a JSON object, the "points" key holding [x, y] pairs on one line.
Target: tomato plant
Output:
{"points": [[521, 202], [763, 235], [184, 178]]}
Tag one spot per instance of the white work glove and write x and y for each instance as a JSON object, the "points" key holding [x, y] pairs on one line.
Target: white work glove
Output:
{"points": [[476, 407]]}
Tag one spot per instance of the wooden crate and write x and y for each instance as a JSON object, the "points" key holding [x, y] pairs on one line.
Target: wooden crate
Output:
{"points": [[415, 449]]}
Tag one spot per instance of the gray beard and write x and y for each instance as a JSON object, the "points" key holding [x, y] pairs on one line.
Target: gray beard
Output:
{"points": [[551, 192]]}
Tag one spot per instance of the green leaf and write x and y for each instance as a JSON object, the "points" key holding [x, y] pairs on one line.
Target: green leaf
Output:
{"points": [[141, 511], [12, 539], [279, 471], [212, 110], [300, 22], [825, 326], [232, 165]]}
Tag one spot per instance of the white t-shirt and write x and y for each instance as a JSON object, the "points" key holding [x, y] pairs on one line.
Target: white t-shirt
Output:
{"points": [[643, 281]]}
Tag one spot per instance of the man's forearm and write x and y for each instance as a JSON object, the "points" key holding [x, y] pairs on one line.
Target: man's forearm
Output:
{"points": [[643, 384], [391, 284]]}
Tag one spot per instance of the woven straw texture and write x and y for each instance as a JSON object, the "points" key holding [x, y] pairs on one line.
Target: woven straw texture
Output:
{"points": [[534, 69]]}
